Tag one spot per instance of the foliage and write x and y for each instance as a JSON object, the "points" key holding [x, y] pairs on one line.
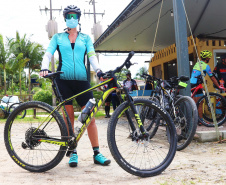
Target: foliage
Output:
{"points": [[36, 76], [16, 54], [140, 72], [45, 83], [36, 89], [44, 96], [96, 94], [122, 75]]}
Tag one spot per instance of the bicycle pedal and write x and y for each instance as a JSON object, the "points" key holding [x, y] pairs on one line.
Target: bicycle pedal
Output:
{"points": [[69, 153]]}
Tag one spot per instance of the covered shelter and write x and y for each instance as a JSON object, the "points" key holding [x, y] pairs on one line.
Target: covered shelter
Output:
{"points": [[135, 27], [141, 27]]}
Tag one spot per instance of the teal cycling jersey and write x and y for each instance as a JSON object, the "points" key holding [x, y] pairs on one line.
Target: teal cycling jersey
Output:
{"points": [[71, 61], [197, 71]]}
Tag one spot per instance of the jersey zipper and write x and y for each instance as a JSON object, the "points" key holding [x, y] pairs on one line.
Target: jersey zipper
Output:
{"points": [[74, 61]]}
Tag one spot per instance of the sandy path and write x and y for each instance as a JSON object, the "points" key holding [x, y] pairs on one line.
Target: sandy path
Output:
{"points": [[198, 164]]}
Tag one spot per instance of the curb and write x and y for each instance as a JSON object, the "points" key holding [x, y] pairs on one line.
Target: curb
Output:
{"points": [[208, 136]]}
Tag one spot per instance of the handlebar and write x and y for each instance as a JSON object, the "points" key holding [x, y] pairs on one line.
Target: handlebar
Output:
{"points": [[127, 63]]}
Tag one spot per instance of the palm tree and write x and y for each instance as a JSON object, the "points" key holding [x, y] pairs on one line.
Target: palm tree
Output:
{"points": [[4, 55], [35, 55], [20, 48], [20, 63]]}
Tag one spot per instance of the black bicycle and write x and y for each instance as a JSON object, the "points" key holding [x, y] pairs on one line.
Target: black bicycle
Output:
{"points": [[182, 109], [39, 144]]}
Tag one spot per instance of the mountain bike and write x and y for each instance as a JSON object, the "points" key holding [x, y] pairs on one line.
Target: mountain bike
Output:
{"points": [[181, 108], [9, 106], [218, 102], [39, 144]]}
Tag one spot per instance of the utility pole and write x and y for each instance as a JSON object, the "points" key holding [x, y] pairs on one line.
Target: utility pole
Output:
{"points": [[95, 22], [51, 29], [94, 11]]}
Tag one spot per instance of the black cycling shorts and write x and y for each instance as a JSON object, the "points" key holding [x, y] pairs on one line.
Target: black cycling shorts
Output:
{"points": [[69, 88]]}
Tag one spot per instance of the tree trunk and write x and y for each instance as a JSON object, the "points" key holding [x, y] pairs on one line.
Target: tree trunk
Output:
{"points": [[29, 83], [12, 85], [4, 79], [20, 80], [0, 80]]}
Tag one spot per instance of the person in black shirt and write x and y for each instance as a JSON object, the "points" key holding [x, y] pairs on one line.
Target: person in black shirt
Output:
{"points": [[220, 69]]}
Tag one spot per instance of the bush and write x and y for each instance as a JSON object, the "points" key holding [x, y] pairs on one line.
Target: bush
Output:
{"points": [[44, 96], [96, 94], [36, 89]]}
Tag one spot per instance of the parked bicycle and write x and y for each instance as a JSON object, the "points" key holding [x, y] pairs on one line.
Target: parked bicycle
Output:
{"points": [[181, 108], [8, 104], [39, 144], [218, 102]]}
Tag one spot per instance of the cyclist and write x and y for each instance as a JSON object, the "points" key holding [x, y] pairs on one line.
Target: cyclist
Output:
{"points": [[220, 69], [130, 83], [196, 72], [107, 101], [72, 46]]}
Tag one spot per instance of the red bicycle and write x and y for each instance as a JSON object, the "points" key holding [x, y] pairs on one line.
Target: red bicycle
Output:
{"points": [[203, 105]]}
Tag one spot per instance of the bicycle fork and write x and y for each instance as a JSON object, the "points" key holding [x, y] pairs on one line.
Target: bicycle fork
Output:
{"points": [[137, 117]]}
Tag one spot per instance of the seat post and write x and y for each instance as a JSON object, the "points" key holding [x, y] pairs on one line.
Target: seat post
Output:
{"points": [[56, 90]]}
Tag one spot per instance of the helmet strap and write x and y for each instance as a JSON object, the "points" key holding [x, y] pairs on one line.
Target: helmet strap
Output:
{"points": [[79, 27]]}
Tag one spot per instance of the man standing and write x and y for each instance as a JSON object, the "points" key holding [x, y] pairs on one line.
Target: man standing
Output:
{"points": [[130, 83], [220, 69]]}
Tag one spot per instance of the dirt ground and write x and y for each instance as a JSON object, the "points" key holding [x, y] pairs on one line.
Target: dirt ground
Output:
{"points": [[199, 163]]}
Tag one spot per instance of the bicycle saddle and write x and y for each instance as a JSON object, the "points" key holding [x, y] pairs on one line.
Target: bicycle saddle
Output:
{"points": [[53, 75], [184, 78]]}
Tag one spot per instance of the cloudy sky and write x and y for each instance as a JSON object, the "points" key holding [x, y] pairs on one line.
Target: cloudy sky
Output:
{"points": [[25, 17]]}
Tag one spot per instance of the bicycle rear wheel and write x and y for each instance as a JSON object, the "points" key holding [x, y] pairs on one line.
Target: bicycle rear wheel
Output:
{"points": [[141, 157], [219, 106], [185, 119], [23, 137]]}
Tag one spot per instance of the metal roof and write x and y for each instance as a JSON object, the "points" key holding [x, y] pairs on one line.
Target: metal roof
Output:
{"points": [[134, 29]]}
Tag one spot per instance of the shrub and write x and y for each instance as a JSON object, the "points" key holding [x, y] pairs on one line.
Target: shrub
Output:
{"points": [[44, 96], [36, 89]]}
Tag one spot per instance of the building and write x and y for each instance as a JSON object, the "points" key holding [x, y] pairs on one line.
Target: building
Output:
{"points": [[164, 62]]}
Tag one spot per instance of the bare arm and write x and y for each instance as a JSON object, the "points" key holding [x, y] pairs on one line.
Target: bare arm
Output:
{"points": [[215, 81]]}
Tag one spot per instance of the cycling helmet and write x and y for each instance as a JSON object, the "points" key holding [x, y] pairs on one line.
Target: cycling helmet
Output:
{"points": [[206, 54], [72, 8]]}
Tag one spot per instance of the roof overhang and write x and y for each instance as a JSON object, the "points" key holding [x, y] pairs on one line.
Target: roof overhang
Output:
{"points": [[135, 28]]}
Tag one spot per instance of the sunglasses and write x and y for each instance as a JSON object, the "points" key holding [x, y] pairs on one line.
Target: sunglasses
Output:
{"points": [[69, 16]]}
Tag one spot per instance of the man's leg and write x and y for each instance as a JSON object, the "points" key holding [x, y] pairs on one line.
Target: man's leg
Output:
{"points": [[200, 110]]}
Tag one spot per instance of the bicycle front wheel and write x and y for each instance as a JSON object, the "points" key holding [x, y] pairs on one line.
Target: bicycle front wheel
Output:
{"points": [[185, 119], [140, 156], [219, 107], [27, 140]]}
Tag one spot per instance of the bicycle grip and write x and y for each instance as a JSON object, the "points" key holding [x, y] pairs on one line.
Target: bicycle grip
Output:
{"points": [[131, 53]]}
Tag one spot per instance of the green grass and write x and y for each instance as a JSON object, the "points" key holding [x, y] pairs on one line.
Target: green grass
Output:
{"points": [[31, 119]]}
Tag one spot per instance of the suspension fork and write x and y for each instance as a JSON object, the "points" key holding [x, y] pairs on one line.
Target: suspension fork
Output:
{"points": [[137, 117]]}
